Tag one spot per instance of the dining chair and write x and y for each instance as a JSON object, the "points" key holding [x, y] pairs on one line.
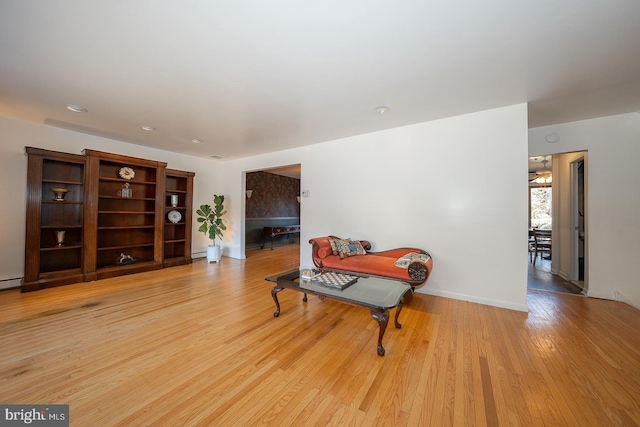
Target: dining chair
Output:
{"points": [[531, 245], [541, 243]]}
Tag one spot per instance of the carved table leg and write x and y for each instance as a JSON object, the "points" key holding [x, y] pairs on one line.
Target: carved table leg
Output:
{"points": [[409, 295], [274, 294], [382, 316], [398, 310]]}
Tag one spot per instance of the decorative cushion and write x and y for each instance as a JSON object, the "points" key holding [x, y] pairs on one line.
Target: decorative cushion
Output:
{"points": [[324, 252], [366, 244], [405, 260], [334, 249], [347, 248]]}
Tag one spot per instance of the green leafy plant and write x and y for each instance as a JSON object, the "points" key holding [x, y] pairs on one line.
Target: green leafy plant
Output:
{"points": [[212, 223]]}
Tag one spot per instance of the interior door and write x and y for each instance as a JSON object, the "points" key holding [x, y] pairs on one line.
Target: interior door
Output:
{"points": [[578, 230]]}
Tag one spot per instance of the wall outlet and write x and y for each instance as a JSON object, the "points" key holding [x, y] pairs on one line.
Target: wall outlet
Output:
{"points": [[304, 193]]}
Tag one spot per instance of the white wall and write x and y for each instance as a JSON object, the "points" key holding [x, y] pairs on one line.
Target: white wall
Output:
{"points": [[455, 187], [16, 134], [613, 204]]}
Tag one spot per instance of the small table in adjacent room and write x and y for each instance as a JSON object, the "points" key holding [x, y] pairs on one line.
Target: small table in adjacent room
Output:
{"points": [[378, 295], [274, 231]]}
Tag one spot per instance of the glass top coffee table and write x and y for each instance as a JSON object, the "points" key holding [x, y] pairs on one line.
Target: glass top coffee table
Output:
{"points": [[378, 295]]}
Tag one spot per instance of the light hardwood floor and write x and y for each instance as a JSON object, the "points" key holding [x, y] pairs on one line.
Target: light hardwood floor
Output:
{"points": [[198, 345]]}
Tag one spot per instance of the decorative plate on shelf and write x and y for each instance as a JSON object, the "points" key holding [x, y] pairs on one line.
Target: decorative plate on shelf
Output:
{"points": [[174, 216], [126, 173]]}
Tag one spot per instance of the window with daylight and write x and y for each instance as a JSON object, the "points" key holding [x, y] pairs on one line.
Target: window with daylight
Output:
{"points": [[540, 207]]}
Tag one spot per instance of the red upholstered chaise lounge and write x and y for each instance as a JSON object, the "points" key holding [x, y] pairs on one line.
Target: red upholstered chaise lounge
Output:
{"points": [[377, 264]]}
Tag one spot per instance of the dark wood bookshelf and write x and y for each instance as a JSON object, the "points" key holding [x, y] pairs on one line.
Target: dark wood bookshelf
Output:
{"points": [[103, 215], [129, 225], [48, 263], [177, 235]]}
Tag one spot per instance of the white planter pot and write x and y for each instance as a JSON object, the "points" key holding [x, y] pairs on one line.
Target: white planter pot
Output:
{"points": [[214, 252]]}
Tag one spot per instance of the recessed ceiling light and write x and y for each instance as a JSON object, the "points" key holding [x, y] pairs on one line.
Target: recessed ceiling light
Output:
{"points": [[148, 128], [196, 141], [76, 108], [552, 137], [381, 110]]}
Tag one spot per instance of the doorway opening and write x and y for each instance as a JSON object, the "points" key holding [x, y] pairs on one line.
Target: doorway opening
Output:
{"points": [[271, 200], [557, 193]]}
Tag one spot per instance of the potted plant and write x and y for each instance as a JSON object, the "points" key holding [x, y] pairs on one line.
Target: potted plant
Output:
{"points": [[212, 225]]}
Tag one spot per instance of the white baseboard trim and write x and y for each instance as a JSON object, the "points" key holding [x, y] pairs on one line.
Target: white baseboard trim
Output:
{"points": [[195, 255], [614, 296], [10, 283], [565, 276], [478, 300], [601, 295], [579, 284], [620, 297]]}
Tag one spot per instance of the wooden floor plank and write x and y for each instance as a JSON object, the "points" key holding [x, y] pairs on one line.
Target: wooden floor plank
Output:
{"points": [[198, 345]]}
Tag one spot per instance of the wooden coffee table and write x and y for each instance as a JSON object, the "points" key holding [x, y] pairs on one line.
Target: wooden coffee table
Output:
{"points": [[378, 295]]}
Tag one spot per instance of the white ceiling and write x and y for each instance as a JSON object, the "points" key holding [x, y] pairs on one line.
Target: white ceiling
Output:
{"points": [[249, 77]]}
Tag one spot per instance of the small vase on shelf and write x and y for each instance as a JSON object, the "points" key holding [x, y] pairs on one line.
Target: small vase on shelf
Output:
{"points": [[60, 237], [59, 194], [126, 191]]}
